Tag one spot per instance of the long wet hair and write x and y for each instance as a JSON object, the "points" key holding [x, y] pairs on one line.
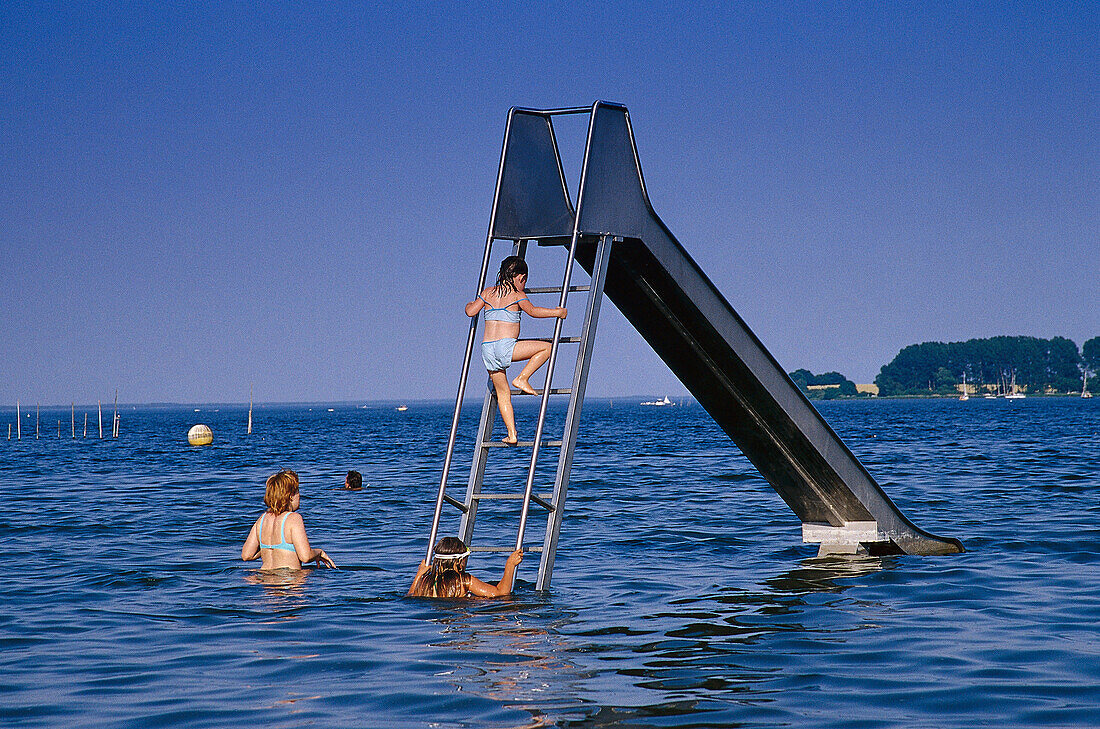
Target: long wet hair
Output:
{"points": [[445, 577], [510, 267]]}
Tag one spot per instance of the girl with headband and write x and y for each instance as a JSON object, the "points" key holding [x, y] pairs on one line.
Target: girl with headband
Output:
{"points": [[447, 575]]}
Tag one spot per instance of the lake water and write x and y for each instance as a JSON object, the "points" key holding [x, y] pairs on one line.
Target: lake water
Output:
{"points": [[682, 594]]}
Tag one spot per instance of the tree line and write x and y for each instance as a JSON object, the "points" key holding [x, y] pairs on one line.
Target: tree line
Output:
{"points": [[1039, 365], [843, 386], [1036, 365]]}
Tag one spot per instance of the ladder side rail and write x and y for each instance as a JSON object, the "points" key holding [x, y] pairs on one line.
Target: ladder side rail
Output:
{"points": [[477, 468], [539, 427], [557, 333], [457, 412], [470, 338], [484, 433], [572, 418]]}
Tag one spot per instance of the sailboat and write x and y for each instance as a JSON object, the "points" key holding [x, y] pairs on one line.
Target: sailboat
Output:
{"points": [[1084, 384], [659, 403], [965, 395], [1015, 395]]}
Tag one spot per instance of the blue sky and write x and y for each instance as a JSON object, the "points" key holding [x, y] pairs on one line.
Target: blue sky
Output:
{"points": [[199, 197]]}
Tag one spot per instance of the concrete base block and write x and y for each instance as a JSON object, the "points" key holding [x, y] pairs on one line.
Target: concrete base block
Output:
{"points": [[841, 539], [826, 550]]}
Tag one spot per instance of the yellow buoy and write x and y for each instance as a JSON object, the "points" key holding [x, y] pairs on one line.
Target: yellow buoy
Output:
{"points": [[200, 435]]}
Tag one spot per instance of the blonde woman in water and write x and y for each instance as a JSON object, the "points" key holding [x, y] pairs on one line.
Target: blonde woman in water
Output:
{"points": [[502, 345], [278, 537]]}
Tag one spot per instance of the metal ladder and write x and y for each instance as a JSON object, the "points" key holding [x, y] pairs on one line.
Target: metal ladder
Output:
{"points": [[552, 503]]}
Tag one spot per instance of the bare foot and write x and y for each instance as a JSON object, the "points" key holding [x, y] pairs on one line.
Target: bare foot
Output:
{"points": [[524, 386], [509, 440]]}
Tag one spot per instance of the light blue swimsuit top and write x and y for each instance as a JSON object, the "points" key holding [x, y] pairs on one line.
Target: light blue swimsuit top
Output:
{"points": [[502, 314], [284, 544]]}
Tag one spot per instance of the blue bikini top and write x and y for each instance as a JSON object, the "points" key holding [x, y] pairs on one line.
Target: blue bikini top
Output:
{"points": [[493, 313], [284, 544]]}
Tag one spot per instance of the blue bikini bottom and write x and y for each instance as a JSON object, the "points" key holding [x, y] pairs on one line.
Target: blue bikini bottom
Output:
{"points": [[497, 355]]}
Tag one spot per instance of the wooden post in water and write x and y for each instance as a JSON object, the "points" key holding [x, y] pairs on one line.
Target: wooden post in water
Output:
{"points": [[101, 420], [74, 419], [114, 420], [18, 422], [37, 413], [59, 428], [85, 425], [9, 431], [249, 408]]}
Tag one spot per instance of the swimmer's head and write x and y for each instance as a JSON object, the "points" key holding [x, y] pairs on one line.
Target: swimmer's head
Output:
{"points": [[510, 267], [446, 576], [282, 487], [449, 554], [353, 481]]}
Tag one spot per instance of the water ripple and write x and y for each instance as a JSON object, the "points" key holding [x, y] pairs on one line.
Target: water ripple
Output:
{"points": [[682, 593]]}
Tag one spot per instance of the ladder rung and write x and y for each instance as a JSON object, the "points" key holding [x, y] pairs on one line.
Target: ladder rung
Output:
{"points": [[554, 391], [504, 549], [540, 499], [510, 496], [522, 443], [455, 502], [561, 340], [554, 289]]}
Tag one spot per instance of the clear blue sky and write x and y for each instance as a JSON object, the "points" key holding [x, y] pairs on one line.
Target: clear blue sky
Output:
{"points": [[199, 197]]}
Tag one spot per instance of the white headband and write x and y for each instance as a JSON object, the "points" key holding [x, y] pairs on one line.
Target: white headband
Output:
{"points": [[437, 555]]}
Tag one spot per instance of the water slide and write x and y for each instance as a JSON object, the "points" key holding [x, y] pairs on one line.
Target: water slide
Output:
{"points": [[664, 294]]}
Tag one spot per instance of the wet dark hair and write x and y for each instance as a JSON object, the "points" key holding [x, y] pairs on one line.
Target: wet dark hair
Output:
{"points": [[354, 480], [510, 267], [445, 577]]}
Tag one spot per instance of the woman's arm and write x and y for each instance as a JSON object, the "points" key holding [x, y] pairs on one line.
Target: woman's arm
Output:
{"points": [[504, 587], [473, 307], [541, 312], [251, 548], [298, 538]]}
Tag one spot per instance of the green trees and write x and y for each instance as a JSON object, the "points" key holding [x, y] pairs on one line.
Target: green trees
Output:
{"points": [[823, 385], [1090, 356], [936, 367]]}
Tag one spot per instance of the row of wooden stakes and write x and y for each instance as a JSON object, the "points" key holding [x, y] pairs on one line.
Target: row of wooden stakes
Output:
{"points": [[115, 419]]}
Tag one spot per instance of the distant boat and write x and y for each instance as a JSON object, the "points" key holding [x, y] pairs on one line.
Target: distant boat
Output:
{"points": [[965, 395], [663, 402], [401, 408], [1084, 392], [1014, 395]]}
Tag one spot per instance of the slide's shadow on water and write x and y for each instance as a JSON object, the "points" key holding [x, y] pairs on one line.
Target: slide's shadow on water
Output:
{"points": [[826, 574]]}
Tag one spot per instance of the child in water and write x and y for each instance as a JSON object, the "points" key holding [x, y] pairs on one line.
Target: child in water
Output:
{"points": [[502, 346], [281, 541], [447, 575]]}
